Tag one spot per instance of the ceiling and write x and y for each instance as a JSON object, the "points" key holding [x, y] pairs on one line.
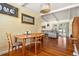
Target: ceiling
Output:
{"points": [[57, 16], [35, 7]]}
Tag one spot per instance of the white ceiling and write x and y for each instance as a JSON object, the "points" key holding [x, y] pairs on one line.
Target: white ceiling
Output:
{"points": [[62, 15], [35, 7]]}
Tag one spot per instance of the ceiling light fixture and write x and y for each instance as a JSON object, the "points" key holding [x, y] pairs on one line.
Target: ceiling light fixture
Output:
{"points": [[45, 8]]}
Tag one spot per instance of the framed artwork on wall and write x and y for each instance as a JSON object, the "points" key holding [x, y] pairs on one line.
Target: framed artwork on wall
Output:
{"points": [[27, 19], [8, 9]]}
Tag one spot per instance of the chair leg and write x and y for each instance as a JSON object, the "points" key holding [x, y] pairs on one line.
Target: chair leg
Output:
{"points": [[12, 48], [18, 47], [35, 48], [40, 45], [42, 42], [15, 48], [30, 45], [9, 51]]}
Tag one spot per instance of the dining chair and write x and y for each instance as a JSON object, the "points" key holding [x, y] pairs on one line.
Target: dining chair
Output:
{"points": [[38, 37], [12, 44], [35, 40], [75, 46], [38, 40]]}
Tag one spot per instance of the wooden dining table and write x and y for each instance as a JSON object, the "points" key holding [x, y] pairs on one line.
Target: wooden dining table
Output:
{"points": [[23, 37]]}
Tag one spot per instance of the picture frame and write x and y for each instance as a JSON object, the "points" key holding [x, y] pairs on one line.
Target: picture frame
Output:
{"points": [[8, 9], [27, 19]]}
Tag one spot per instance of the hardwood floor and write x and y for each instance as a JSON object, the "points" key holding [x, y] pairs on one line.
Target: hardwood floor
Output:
{"points": [[48, 48]]}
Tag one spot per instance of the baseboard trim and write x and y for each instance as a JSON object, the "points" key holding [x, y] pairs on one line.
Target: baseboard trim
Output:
{"points": [[3, 52], [6, 51]]}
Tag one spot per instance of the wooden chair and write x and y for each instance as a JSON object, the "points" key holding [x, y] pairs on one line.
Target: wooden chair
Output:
{"points": [[75, 46], [36, 41], [10, 42], [38, 37]]}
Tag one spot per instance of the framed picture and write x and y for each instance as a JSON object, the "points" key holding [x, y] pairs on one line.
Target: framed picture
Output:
{"points": [[27, 19], [8, 9]]}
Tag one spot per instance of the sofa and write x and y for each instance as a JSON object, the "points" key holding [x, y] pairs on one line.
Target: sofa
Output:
{"points": [[51, 34]]}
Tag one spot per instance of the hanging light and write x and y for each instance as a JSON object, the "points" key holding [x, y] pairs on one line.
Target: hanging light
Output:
{"points": [[45, 8]]}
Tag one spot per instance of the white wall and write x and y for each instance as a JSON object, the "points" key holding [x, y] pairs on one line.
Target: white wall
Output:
{"points": [[62, 17], [53, 22], [14, 25], [50, 25]]}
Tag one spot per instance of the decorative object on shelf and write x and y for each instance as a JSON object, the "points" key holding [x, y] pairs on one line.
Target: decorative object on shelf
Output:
{"points": [[8, 9], [47, 24], [45, 8], [27, 19], [43, 26]]}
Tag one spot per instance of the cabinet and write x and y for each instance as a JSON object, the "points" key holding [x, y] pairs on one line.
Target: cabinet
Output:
{"points": [[75, 27]]}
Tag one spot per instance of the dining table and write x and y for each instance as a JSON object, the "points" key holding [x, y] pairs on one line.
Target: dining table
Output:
{"points": [[23, 38]]}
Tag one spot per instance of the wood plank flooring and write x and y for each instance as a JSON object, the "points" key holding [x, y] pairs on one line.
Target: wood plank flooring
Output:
{"points": [[48, 48]]}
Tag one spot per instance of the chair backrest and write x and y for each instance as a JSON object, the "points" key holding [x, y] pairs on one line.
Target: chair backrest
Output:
{"points": [[9, 38]]}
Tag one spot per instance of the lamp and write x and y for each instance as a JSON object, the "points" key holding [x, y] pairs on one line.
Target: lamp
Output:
{"points": [[45, 8]]}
